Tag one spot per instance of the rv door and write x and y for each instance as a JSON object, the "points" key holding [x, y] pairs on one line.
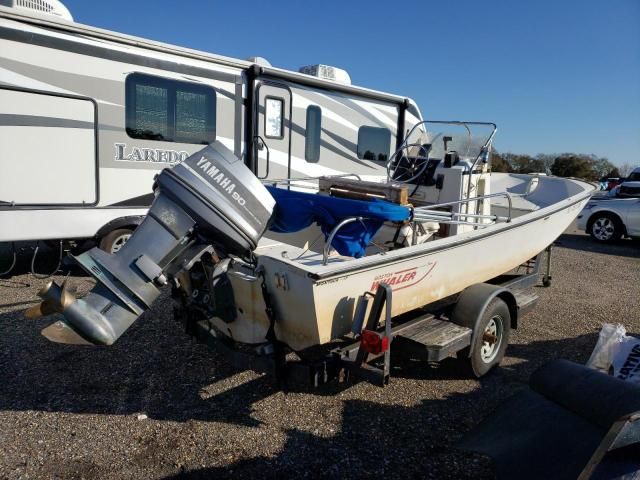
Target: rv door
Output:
{"points": [[273, 145]]}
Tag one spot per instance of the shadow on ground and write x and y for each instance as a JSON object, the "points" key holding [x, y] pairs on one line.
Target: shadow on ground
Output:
{"points": [[154, 368], [157, 369], [621, 248], [380, 439]]}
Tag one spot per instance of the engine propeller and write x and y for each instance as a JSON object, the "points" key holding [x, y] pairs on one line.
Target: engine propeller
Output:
{"points": [[56, 299]]}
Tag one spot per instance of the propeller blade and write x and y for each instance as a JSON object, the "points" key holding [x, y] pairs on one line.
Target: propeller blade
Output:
{"points": [[62, 297], [67, 296], [60, 332], [44, 308]]}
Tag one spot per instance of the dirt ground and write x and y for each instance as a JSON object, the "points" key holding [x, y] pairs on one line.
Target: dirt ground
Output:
{"points": [[159, 405]]}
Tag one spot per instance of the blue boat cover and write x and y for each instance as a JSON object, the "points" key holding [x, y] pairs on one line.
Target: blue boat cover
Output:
{"points": [[297, 210]]}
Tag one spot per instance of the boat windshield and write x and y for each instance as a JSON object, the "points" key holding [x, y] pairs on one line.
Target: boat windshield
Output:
{"points": [[465, 138]]}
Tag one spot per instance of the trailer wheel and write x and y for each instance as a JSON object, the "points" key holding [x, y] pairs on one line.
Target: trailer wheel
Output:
{"points": [[113, 241], [490, 343]]}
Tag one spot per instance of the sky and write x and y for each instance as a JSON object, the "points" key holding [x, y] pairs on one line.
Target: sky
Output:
{"points": [[555, 75]]}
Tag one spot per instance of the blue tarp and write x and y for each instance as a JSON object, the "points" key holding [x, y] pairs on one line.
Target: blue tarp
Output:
{"points": [[297, 210]]}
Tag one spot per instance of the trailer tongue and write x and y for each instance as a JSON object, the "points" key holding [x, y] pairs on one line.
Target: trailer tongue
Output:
{"points": [[210, 201]]}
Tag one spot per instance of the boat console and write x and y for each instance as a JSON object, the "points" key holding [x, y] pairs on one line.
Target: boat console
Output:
{"points": [[442, 178]]}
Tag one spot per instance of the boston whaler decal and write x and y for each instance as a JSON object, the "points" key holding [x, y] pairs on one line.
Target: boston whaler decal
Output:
{"points": [[403, 278], [151, 155]]}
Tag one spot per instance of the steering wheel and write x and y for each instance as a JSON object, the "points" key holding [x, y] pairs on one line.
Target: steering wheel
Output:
{"points": [[405, 168]]}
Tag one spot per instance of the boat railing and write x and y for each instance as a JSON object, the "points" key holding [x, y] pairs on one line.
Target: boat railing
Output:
{"points": [[430, 214], [327, 244], [430, 211]]}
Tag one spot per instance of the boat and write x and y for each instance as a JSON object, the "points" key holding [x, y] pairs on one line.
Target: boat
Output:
{"points": [[438, 227]]}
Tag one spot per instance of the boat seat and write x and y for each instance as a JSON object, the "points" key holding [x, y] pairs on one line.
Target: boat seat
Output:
{"points": [[353, 188]]}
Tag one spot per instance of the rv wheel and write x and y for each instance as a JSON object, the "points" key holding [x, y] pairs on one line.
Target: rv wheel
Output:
{"points": [[490, 341], [113, 241]]}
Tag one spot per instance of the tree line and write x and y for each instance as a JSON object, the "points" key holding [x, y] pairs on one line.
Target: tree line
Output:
{"points": [[587, 166]]}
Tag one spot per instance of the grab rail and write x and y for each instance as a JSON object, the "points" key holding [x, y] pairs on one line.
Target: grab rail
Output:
{"points": [[254, 146], [428, 213], [472, 199], [438, 216], [327, 244]]}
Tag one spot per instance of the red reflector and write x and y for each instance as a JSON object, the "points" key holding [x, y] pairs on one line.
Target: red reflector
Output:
{"points": [[371, 342]]}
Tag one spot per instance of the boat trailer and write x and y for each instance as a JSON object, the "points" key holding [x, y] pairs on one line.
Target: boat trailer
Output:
{"points": [[430, 334]]}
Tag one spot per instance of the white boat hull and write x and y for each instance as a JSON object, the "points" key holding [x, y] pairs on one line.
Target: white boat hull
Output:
{"points": [[315, 304]]}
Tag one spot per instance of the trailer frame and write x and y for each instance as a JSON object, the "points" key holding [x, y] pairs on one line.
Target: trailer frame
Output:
{"points": [[349, 359]]}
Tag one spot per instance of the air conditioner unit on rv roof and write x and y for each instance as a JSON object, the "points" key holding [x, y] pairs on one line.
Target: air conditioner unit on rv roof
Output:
{"points": [[47, 7], [327, 72]]}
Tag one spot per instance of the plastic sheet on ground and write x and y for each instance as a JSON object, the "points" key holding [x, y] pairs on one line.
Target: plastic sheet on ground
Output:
{"points": [[617, 353]]}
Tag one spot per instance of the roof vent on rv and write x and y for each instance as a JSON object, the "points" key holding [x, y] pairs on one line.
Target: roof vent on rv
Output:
{"points": [[47, 7], [327, 72]]}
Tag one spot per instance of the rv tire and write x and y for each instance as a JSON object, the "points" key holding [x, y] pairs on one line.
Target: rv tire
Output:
{"points": [[114, 240]]}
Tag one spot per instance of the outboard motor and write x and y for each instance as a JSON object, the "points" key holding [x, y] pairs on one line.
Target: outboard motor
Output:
{"points": [[211, 199]]}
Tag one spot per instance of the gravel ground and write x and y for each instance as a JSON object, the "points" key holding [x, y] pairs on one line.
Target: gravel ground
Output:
{"points": [[158, 405]]}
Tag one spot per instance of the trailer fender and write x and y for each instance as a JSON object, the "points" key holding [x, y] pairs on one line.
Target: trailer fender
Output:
{"points": [[474, 300]]}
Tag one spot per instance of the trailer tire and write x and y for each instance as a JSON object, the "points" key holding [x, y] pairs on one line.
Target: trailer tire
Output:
{"points": [[113, 241], [483, 354]]}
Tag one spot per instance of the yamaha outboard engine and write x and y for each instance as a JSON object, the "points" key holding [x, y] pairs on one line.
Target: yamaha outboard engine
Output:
{"points": [[211, 199]]}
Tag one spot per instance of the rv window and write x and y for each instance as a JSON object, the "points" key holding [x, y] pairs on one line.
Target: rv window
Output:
{"points": [[150, 116], [195, 116], [312, 134], [170, 111], [273, 117], [374, 143]]}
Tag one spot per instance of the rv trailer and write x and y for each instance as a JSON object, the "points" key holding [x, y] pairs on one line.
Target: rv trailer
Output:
{"points": [[88, 118]]}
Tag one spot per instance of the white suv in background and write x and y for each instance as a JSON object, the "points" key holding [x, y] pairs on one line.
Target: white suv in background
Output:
{"points": [[608, 218], [634, 177]]}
